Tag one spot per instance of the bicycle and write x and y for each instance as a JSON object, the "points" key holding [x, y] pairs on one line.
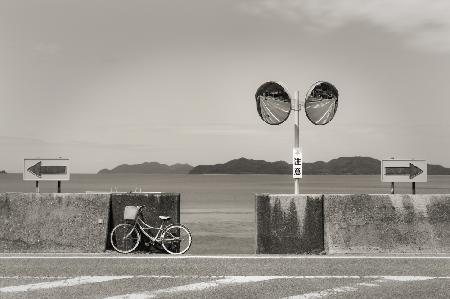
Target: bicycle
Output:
{"points": [[125, 237]]}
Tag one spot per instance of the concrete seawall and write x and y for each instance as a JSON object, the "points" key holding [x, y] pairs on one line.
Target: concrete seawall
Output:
{"points": [[387, 223], [289, 224], [73, 222], [52, 222], [357, 223]]}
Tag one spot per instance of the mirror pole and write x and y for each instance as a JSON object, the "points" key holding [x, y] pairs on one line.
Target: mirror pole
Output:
{"points": [[297, 134]]}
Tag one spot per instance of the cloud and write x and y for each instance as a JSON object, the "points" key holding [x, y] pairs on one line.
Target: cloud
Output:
{"points": [[225, 130], [47, 48], [425, 23]]}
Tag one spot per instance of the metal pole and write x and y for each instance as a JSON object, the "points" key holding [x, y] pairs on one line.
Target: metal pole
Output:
{"points": [[392, 187], [297, 133], [59, 186], [413, 187], [37, 186]]}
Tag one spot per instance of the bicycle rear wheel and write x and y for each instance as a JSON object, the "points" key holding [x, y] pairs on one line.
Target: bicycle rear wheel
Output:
{"points": [[125, 238], [176, 239]]}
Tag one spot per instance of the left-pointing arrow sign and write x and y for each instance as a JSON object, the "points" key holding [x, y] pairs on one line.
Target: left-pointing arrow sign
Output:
{"points": [[38, 170]]}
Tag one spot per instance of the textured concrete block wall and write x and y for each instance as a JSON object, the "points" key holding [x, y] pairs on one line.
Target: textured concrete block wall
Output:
{"points": [[387, 223], [51, 222], [289, 224]]}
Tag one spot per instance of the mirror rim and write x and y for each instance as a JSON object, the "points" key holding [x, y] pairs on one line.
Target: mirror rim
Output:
{"points": [[288, 96], [308, 95]]}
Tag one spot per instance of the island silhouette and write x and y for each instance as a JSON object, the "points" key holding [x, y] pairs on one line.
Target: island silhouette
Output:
{"points": [[340, 166]]}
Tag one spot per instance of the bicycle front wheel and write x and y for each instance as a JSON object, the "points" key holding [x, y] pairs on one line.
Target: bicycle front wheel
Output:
{"points": [[176, 239], [125, 238]]}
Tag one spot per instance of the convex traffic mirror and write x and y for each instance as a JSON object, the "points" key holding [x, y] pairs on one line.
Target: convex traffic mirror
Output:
{"points": [[321, 103], [273, 103]]}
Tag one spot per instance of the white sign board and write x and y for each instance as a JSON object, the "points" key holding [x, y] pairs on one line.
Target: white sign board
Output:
{"points": [[46, 170], [404, 171], [297, 163]]}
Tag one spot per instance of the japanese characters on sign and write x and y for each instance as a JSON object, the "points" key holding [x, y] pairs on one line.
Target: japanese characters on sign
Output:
{"points": [[297, 163]]}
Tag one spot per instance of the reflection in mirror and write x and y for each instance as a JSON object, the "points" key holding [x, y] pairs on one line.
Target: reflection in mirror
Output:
{"points": [[273, 103], [321, 103]]}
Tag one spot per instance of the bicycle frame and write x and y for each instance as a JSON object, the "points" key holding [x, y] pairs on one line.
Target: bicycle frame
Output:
{"points": [[145, 229]]}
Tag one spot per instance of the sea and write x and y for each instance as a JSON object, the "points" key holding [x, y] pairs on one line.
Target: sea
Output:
{"points": [[220, 209]]}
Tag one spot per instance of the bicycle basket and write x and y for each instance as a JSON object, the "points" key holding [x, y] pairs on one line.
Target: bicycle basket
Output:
{"points": [[130, 212]]}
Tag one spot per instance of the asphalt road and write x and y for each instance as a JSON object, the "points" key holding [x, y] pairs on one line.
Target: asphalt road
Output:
{"points": [[255, 276], [321, 111], [274, 110]]}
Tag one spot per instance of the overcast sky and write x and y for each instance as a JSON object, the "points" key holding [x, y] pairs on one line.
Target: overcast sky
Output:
{"points": [[105, 82]]}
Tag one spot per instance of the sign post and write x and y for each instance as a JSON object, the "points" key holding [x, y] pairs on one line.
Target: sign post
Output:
{"points": [[297, 153], [46, 170], [404, 171]]}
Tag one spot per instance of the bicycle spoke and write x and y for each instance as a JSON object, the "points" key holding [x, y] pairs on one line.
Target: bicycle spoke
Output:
{"points": [[125, 238], [176, 239]]}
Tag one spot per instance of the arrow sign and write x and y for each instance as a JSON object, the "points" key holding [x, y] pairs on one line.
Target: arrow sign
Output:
{"points": [[412, 171], [38, 170], [406, 171], [46, 169]]}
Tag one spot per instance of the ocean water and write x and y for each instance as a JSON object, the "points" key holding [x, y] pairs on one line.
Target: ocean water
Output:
{"points": [[219, 209]]}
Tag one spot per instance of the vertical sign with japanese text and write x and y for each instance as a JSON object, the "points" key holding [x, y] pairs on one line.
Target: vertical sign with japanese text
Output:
{"points": [[297, 163]]}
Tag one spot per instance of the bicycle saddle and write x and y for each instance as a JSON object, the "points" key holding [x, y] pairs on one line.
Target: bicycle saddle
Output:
{"points": [[165, 217]]}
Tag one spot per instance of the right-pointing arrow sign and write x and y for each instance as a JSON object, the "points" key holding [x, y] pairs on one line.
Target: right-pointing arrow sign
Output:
{"points": [[412, 171], [406, 171]]}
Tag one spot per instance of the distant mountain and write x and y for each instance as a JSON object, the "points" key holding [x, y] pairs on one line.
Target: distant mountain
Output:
{"points": [[344, 165], [150, 168], [242, 166], [339, 166], [437, 170]]}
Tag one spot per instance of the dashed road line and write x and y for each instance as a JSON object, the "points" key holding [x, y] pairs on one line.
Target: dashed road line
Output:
{"points": [[215, 282], [324, 293], [199, 286], [229, 280], [368, 284], [60, 283], [354, 288]]}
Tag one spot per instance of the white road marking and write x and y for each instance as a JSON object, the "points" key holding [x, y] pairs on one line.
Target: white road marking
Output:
{"points": [[408, 278], [268, 110], [367, 284], [60, 283], [200, 286], [324, 293], [346, 289], [380, 278], [245, 257], [217, 282], [397, 278]]}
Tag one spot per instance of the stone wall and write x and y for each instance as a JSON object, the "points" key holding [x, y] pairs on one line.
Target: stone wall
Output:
{"points": [[289, 224], [52, 222], [387, 223]]}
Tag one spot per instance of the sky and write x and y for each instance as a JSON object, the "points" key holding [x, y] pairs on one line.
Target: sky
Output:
{"points": [[106, 82]]}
